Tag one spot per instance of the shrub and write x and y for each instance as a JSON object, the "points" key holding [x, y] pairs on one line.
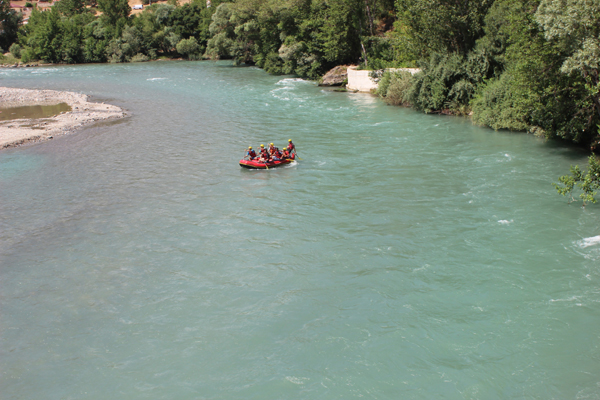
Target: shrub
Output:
{"points": [[15, 50], [29, 5], [394, 87], [589, 183], [27, 55], [188, 47], [499, 106], [448, 82], [139, 57]]}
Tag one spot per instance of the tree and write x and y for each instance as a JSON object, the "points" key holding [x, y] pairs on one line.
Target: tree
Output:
{"points": [[96, 40], [15, 50], [589, 183], [441, 25], [189, 48], [234, 30], [115, 14], [448, 82], [531, 90], [70, 7], [574, 25], [9, 24], [43, 40]]}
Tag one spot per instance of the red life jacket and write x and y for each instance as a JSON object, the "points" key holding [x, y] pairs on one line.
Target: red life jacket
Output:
{"points": [[291, 146], [252, 154]]}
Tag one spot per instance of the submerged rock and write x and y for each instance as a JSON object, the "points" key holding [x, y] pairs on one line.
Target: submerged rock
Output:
{"points": [[335, 77]]}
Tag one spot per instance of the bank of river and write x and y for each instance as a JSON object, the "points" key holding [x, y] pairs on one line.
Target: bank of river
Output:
{"points": [[405, 256], [15, 132]]}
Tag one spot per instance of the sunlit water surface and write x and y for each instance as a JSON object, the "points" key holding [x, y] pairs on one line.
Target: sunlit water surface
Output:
{"points": [[405, 256]]}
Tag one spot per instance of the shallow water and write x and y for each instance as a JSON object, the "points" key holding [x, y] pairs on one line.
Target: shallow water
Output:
{"points": [[405, 256], [36, 111]]}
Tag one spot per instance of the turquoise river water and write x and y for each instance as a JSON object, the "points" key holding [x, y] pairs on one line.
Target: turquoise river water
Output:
{"points": [[406, 256]]}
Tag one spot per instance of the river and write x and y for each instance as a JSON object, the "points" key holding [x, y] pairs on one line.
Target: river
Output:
{"points": [[405, 256]]}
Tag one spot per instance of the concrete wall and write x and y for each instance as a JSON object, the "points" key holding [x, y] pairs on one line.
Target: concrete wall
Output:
{"points": [[361, 81]]}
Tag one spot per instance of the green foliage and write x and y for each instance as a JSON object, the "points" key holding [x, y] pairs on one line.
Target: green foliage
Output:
{"points": [[54, 38], [588, 183], [557, 103], [441, 26], [95, 42], [380, 53], [521, 65], [572, 26], [304, 37], [70, 7], [44, 41], [15, 50], [221, 31], [139, 58], [64, 35], [394, 87], [9, 24], [500, 106], [189, 48], [124, 48], [115, 14], [448, 82]]}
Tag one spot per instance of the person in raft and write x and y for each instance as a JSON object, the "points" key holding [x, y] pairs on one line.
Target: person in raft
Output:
{"points": [[272, 149], [291, 147], [251, 154], [277, 155], [285, 154], [264, 154]]}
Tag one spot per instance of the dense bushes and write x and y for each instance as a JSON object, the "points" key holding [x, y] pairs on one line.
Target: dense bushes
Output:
{"points": [[500, 107], [448, 82], [9, 24], [70, 33], [519, 65], [529, 66], [394, 87], [15, 50], [302, 37]]}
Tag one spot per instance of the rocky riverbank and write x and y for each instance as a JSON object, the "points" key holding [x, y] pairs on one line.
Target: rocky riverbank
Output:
{"points": [[20, 131]]}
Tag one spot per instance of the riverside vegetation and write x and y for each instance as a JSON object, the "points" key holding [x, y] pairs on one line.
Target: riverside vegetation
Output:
{"points": [[530, 65]]}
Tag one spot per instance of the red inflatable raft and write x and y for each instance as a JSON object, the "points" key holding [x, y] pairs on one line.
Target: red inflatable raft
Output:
{"points": [[254, 164]]}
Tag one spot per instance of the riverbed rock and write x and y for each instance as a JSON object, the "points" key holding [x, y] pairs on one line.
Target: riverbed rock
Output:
{"points": [[335, 77]]}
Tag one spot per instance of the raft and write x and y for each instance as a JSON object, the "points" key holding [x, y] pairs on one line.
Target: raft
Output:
{"points": [[271, 164]]}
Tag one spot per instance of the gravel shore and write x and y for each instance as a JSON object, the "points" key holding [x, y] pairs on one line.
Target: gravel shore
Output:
{"points": [[20, 131]]}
